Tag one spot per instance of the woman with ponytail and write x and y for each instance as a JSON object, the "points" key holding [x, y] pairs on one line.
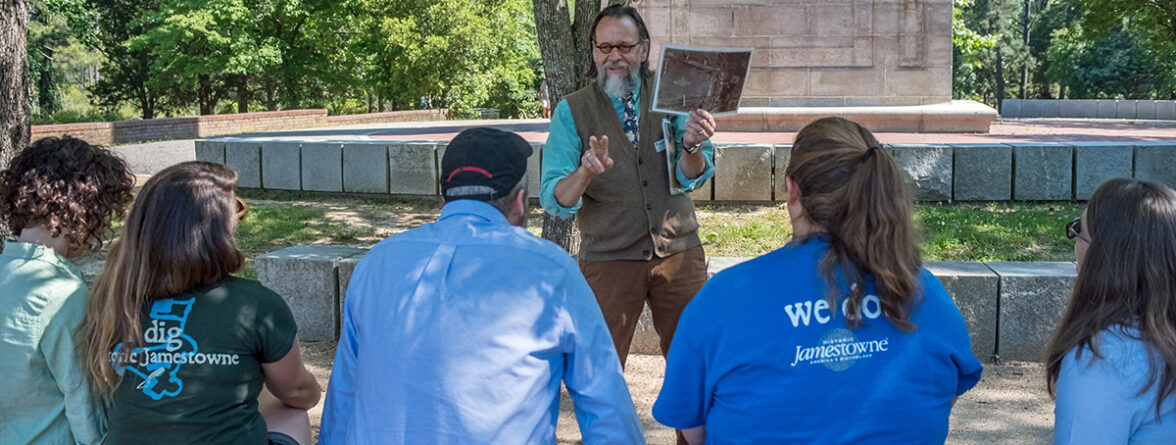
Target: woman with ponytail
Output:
{"points": [[178, 347], [1112, 362], [838, 337]]}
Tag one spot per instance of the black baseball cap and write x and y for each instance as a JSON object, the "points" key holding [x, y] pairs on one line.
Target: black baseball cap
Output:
{"points": [[483, 164]]}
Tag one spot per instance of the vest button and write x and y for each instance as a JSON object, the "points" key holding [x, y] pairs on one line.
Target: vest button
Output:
{"points": [[653, 230], [648, 206], [645, 183], [644, 253], [640, 161]]}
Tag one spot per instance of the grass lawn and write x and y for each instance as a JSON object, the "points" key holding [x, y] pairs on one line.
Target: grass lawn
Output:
{"points": [[1005, 231], [993, 231]]}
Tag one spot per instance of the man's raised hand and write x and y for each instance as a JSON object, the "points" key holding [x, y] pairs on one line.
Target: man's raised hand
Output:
{"points": [[596, 159]]}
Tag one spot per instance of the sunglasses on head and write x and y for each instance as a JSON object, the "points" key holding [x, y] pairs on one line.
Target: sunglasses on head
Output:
{"points": [[242, 208], [1074, 229]]}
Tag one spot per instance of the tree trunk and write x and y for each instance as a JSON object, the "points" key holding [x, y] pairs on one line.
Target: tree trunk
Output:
{"points": [[14, 89], [271, 94], [204, 95], [146, 102], [1025, 40], [1000, 85], [242, 94], [565, 48]]}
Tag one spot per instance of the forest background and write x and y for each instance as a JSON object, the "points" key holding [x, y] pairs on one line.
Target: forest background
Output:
{"points": [[97, 60]]}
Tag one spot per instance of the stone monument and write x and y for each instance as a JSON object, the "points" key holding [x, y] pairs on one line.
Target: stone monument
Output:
{"points": [[884, 63]]}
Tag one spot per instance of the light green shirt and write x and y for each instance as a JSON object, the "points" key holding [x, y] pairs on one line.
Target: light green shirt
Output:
{"points": [[44, 394]]}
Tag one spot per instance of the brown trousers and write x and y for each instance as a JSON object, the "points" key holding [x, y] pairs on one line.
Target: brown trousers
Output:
{"points": [[622, 288]]}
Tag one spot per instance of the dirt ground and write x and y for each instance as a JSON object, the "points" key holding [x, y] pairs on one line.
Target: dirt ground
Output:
{"points": [[1008, 406]]}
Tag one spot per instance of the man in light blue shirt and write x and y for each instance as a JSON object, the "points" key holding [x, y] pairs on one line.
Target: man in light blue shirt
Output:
{"points": [[460, 331]]}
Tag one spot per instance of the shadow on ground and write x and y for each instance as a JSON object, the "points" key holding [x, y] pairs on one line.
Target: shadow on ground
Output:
{"points": [[1009, 406]]}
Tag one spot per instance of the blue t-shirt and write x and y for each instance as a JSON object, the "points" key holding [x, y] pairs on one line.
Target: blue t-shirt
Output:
{"points": [[1099, 401], [759, 356]]}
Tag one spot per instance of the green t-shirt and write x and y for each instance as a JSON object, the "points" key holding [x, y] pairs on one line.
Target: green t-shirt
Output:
{"points": [[197, 377]]}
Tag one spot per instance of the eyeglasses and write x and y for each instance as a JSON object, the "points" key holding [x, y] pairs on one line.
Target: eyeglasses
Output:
{"points": [[242, 208], [624, 48], [1074, 230]]}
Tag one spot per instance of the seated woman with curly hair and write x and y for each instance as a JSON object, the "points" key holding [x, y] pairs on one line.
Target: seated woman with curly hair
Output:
{"points": [[59, 196]]}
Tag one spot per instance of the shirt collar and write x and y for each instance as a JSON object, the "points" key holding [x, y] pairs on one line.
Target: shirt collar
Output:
{"points": [[473, 207], [14, 249]]}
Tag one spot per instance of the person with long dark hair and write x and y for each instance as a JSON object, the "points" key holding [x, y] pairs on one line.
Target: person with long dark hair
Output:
{"points": [[59, 197], [838, 337], [178, 346], [1112, 361]]}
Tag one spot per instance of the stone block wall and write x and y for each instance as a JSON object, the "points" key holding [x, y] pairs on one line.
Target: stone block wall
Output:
{"points": [[1041, 171], [982, 172], [307, 278], [1089, 109], [1096, 162], [326, 175], [365, 168], [928, 169], [1033, 297], [281, 165], [1010, 309], [975, 288], [413, 169], [743, 173], [245, 158], [1156, 162]]}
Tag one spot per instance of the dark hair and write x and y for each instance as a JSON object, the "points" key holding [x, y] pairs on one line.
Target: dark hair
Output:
{"points": [[857, 195], [618, 11], [67, 186], [178, 238], [1128, 279]]}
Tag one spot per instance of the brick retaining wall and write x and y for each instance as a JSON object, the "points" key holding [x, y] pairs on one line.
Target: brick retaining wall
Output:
{"points": [[120, 132]]}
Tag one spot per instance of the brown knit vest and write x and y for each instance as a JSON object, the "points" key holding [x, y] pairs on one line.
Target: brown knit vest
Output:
{"points": [[628, 212]]}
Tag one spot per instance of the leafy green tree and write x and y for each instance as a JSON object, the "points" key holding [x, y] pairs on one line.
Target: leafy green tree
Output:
{"points": [[203, 48], [126, 72], [52, 27], [967, 47], [1120, 64], [453, 52]]}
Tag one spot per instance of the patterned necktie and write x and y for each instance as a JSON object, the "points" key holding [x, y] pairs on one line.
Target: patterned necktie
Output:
{"points": [[631, 118]]}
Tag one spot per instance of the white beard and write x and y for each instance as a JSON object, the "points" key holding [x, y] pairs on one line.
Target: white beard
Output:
{"points": [[616, 87]]}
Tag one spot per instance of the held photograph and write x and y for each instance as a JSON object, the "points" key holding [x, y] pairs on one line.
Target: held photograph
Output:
{"points": [[693, 78]]}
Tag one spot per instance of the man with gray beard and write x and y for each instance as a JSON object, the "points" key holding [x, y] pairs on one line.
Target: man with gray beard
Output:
{"points": [[605, 163]]}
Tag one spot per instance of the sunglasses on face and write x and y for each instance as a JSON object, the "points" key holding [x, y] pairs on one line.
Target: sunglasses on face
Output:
{"points": [[242, 208], [1074, 229], [624, 48]]}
